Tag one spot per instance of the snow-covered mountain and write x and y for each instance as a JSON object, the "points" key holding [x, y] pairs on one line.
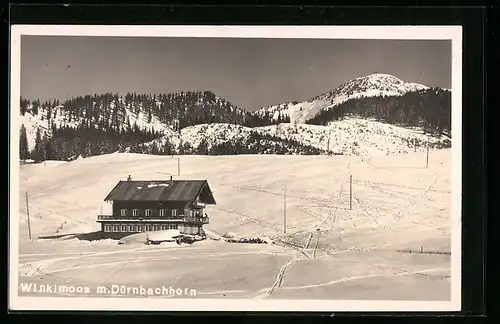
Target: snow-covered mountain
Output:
{"points": [[63, 118], [351, 136], [375, 114], [377, 84], [142, 112]]}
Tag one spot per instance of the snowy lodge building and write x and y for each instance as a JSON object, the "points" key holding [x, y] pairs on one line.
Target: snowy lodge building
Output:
{"points": [[142, 206]]}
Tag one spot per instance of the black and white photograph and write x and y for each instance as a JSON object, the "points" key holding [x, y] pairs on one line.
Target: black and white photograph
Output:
{"points": [[235, 168]]}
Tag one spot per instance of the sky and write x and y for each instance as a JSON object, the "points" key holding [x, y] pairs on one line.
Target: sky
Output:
{"points": [[250, 73]]}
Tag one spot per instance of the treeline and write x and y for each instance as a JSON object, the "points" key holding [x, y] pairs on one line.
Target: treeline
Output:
{"points": [[265, 119], [67, 143], [178, 110], [429, 109], [255, 143]]}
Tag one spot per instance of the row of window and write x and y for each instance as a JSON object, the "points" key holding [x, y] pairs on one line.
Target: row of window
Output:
{"points": [[163, 212], [137, 228]]}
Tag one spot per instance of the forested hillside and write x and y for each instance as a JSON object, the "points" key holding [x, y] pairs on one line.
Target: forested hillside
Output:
{"points": [[429, 109]]}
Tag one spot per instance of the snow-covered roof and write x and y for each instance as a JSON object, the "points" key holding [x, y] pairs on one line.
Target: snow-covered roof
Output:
{"points": [[162, 190]]}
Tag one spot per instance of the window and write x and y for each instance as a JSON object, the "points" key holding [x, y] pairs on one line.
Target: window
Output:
{"points": [[187, 212], [147, 228], [139, 228], [123, 228], [174, 212], [148, 212], [135, 212], [162, 212], [123, 212], [156, 227], [116, 228], [131, 228], [164, 227], [173, 226], [107, 228]]}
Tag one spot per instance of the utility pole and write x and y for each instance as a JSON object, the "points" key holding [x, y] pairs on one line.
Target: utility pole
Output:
{"points": [[284, 210], [28, 213], [427, 158], [350, 192], [316, 247], [178, 166], [308, 241]]}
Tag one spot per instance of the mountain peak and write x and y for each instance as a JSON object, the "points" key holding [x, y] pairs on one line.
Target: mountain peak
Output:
{"points": [[380, 75], [372, 85]]}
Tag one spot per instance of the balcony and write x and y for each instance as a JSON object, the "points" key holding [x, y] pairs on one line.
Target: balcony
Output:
{"points": [[139, 218], [181, 218], [199, 205], [200, 220]]}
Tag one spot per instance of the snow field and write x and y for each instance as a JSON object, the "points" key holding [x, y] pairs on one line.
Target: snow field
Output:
{"points": [[398, 204]]}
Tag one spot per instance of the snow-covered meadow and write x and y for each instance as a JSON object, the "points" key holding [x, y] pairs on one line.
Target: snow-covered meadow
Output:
{"points": [[397, 205]]}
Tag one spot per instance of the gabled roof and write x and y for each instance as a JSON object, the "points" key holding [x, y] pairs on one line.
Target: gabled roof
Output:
{"points": [[164, 190]]}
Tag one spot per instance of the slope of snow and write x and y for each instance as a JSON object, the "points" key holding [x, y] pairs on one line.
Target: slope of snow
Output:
{"points": [[60, 118], [377, 84], [213, 134], [350, 136], [356, 136], [398, 204], [396, 200], [32, 123]]}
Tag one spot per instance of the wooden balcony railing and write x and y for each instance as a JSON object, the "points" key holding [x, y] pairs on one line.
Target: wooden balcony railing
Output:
{"points": [[180, 218], [202, 220]]}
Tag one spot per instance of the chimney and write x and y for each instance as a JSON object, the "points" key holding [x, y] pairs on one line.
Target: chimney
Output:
{"points": [[129, 178], [171, 181]]}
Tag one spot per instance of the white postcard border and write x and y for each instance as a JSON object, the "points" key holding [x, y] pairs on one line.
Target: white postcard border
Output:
{"points": [[453, 33]]}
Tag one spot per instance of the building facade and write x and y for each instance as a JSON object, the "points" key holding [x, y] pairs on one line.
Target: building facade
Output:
{"points": [[143, 206]]}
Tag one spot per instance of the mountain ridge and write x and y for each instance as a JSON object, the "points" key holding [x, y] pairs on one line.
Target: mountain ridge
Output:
{"points": [[106, 123], [375, 84]]}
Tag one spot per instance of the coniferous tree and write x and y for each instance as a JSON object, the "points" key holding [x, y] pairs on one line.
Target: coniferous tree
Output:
{"points": [[23, 144], [35, 106], [202, 148], [37, 153], [47, 147], [24, 106]]}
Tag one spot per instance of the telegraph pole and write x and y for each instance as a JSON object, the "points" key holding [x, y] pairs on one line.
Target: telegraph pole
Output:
{"points": [[28, 213], [317, 243], [178, 166], [284, 211], [427, 158]]}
